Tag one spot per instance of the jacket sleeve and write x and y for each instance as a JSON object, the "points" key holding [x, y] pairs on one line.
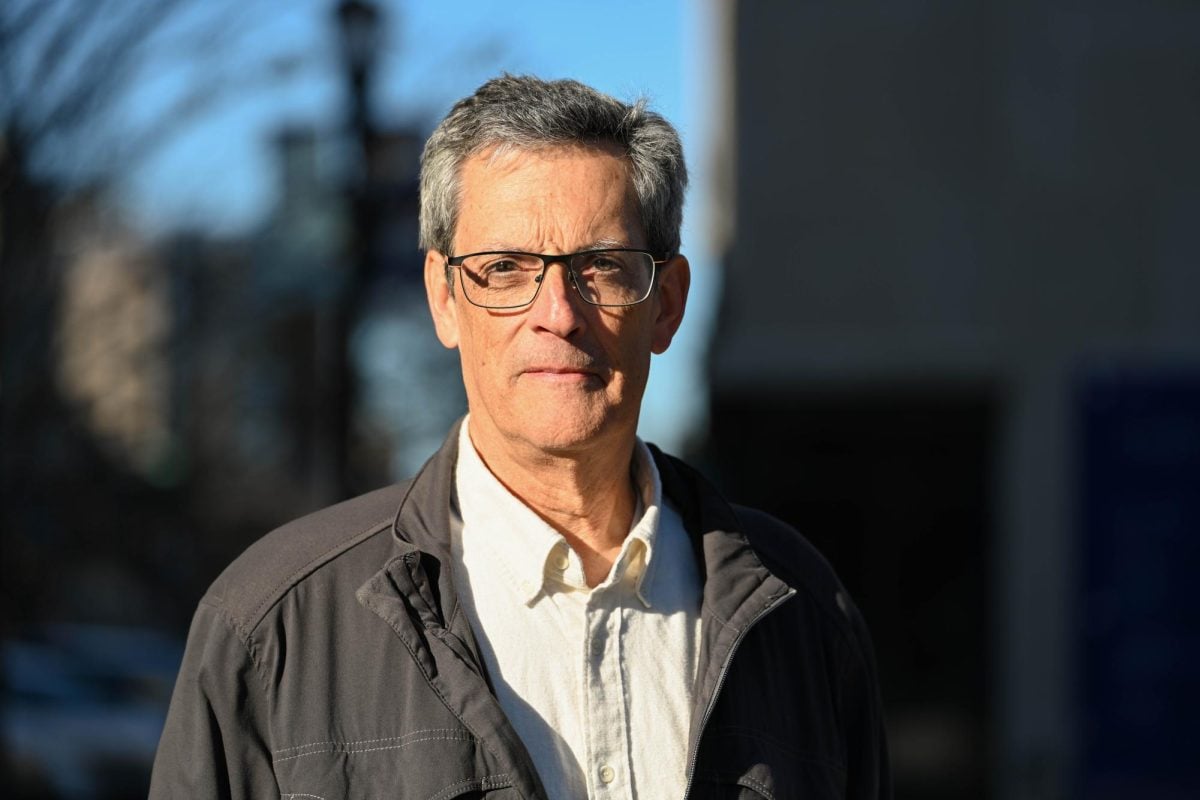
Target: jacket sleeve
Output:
{"points": [[216, 741], [868, 770]]}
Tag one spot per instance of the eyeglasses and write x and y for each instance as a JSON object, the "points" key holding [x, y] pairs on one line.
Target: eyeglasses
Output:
{"points": [[617, 277]]}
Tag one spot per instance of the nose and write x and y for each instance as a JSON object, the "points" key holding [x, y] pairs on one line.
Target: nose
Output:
{"points": [[558, 306]]}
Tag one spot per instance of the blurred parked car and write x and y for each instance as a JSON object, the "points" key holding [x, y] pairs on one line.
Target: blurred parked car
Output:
{"points": [[82, 709]]}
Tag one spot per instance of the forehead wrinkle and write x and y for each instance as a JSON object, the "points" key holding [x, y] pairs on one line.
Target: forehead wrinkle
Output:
{"points": [[539, 228], [603, 243], [550, 234]]}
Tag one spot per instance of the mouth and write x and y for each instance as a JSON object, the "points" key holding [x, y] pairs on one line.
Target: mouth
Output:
{"points": [[559, 373], [562, 373]]}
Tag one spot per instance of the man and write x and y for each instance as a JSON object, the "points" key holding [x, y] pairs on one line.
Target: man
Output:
{"points": [[550, 608]]}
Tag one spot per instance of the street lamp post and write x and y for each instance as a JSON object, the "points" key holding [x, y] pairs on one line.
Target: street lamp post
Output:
{"points": [[359, 25], [359, 31]]}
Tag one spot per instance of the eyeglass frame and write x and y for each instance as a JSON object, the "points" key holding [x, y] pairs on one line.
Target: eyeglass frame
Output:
{"points": [[565, 260]]}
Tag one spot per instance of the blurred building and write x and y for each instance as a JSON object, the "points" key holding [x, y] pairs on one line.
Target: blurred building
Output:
{"points": [[112, 336], [265, 323], [167, 402], [960, 349], [190, 401]]}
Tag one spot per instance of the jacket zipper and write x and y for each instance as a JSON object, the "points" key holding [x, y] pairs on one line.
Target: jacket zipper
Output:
{"points": [[712, 701]]}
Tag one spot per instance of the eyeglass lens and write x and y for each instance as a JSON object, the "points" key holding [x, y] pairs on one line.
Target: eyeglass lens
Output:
{"points": [[603, 277]]}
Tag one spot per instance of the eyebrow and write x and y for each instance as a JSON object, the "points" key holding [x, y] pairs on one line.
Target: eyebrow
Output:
{"points": [[597, 244]]}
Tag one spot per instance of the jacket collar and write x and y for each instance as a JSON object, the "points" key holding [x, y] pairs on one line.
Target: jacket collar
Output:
{"points": [[732, 570], [422, 528], [735, 578], [414, 593]]}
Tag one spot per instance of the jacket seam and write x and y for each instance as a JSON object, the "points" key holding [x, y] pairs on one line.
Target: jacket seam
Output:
{"points": [[770, 601], [333, 743], [486, 783], [274, 595], [429, 680], [724, 622], [840, 623], [757, 786], [450, 736], [453, 618], [245, 640]]}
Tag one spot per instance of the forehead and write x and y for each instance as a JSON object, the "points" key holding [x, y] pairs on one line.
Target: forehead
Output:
{"points": [[561, 196]]}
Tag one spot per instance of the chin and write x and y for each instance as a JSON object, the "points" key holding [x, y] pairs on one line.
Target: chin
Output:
{"points": [[555, 421], [567, 431], [563, 435]]}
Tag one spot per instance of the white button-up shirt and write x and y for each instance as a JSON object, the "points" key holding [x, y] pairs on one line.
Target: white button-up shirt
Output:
{"points": [[597, 682]]}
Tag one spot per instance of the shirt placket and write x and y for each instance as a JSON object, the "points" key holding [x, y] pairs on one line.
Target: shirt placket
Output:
{"points": [[607, 729]]}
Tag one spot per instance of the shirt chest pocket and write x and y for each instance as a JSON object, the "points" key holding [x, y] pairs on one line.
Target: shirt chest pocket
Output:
{"points": [[429, 764]]}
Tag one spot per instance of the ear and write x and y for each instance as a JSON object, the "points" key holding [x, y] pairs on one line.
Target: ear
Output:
{"points": [[441, 300], [675, 278]]}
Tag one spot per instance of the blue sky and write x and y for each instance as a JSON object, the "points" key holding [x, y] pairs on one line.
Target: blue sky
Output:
{"points": [[219, 173]]}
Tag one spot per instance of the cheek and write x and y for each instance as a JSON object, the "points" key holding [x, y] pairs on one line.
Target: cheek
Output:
{"points": [[481, 354], [633, 354], [475, 362], [635, 339]]}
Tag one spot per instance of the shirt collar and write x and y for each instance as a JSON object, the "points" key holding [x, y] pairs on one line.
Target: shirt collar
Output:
{"points": [[530, 552], [520, 542], [644, 532]]}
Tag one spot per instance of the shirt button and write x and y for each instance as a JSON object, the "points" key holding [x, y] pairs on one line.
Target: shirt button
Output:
{"points": [[560, 562], [607, 774]]}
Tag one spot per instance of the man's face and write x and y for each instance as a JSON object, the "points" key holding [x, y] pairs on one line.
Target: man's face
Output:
{"points": [[558, 375]]}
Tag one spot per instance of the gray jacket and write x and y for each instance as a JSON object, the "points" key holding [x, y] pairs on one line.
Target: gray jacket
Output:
{"points": [[332, 660]]}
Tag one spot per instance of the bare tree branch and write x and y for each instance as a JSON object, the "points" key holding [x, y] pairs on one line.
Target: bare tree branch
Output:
{"points": [[14, 29], [187, 107], [22, 20], [59, 50], [69, 67], [113, 60]]}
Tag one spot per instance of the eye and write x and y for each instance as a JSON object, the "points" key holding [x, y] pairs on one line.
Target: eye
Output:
{"points": [[499, 264], [604, 262]]}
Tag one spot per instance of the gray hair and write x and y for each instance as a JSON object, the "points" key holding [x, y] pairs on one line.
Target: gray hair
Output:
{"points": [[525, 113]]}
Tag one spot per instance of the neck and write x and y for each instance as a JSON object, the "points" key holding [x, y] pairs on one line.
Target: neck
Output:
{"points": [[586, 495]]}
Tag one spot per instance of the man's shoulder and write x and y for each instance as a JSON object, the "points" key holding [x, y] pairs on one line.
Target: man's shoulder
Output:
{"points": [[356, 529], [785, 551], [781, 548], [794, 559]]}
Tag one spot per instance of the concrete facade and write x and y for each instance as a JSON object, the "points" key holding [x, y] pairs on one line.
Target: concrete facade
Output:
{"points": [[983, 201]]}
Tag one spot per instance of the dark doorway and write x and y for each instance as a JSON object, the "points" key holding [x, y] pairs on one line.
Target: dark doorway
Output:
{"points": [[892, 485]]}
